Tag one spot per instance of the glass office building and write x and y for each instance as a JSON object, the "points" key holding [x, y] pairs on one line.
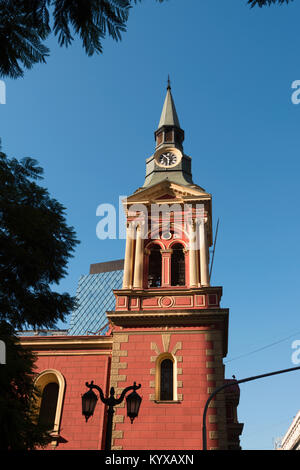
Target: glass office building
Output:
{"points": [[95, 297]]}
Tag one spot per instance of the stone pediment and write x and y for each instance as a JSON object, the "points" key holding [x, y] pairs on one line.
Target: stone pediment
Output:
{"points": [[167, 191], [167, 196]]}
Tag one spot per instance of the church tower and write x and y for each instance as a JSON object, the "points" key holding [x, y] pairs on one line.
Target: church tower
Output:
{"points": [[169, 331]]}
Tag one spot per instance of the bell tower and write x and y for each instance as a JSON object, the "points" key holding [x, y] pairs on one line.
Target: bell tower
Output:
{"points": [[169, 331]]}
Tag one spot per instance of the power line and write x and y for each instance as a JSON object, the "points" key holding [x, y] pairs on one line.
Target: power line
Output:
{"points": [[262, 348]]}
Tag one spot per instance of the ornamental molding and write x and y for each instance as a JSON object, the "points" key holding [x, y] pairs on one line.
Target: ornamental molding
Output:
{"points": [[66, 342], [166, 301]]}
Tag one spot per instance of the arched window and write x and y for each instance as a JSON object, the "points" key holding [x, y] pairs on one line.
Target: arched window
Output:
{"points": [[166, 380], [177, 266], [49, 405], [154, 273], [51, 386]]}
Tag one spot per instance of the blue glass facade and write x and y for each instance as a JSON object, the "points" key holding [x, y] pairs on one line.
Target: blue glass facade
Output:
{"points": [[94, 297]]}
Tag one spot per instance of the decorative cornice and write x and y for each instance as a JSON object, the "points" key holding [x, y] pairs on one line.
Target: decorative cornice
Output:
{"points": [[170, 291], [169, 317], [66, 342]]}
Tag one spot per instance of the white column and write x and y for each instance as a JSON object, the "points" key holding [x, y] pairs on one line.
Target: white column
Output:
{"points": [[192, 255], [138, 261], [204, 268], [128, 262], [166, 267]]}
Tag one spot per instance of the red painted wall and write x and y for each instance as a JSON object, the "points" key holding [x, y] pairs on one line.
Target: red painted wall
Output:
{"points": [[75, 433], [167, 426]]}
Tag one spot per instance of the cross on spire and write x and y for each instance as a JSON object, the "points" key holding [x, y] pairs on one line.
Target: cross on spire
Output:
{"points": [[169, 83]]}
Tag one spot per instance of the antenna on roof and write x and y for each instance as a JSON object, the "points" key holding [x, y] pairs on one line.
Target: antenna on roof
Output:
{"points": [[213, 254]]}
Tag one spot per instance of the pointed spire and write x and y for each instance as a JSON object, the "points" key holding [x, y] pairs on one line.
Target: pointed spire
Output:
{"points": [[169, 130], [169, 115], [169, 138]]}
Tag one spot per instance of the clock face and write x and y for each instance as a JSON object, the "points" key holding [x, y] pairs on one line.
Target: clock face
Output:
{"points": [[167, 159]]}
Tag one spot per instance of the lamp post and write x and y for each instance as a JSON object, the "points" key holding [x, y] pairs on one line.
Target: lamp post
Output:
{"points": [[89, 401], [230, 384]]}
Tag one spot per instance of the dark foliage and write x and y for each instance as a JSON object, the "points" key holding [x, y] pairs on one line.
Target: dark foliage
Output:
{"points": [[20, 39], [35, 245], [262, 3], [19, 426], [25, 24]]}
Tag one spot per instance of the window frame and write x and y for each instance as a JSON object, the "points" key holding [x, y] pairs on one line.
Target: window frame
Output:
{"points": [[43, 379], [176, 242], [158, 363], [155, 247]]}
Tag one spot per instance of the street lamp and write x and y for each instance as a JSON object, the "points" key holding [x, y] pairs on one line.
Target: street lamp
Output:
{"points": [[89, 401], [230, 384], [133, 402]]}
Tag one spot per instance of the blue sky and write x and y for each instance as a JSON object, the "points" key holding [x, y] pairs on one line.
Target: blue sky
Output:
{"points": [[90, 122]]}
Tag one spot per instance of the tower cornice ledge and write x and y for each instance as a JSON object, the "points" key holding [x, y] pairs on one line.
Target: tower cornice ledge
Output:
{"points": [[170, 291], [164, 315], [217, 318]]}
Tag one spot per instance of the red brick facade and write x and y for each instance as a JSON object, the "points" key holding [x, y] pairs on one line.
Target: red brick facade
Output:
{"points": [[174, 425], [131, 356]]}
